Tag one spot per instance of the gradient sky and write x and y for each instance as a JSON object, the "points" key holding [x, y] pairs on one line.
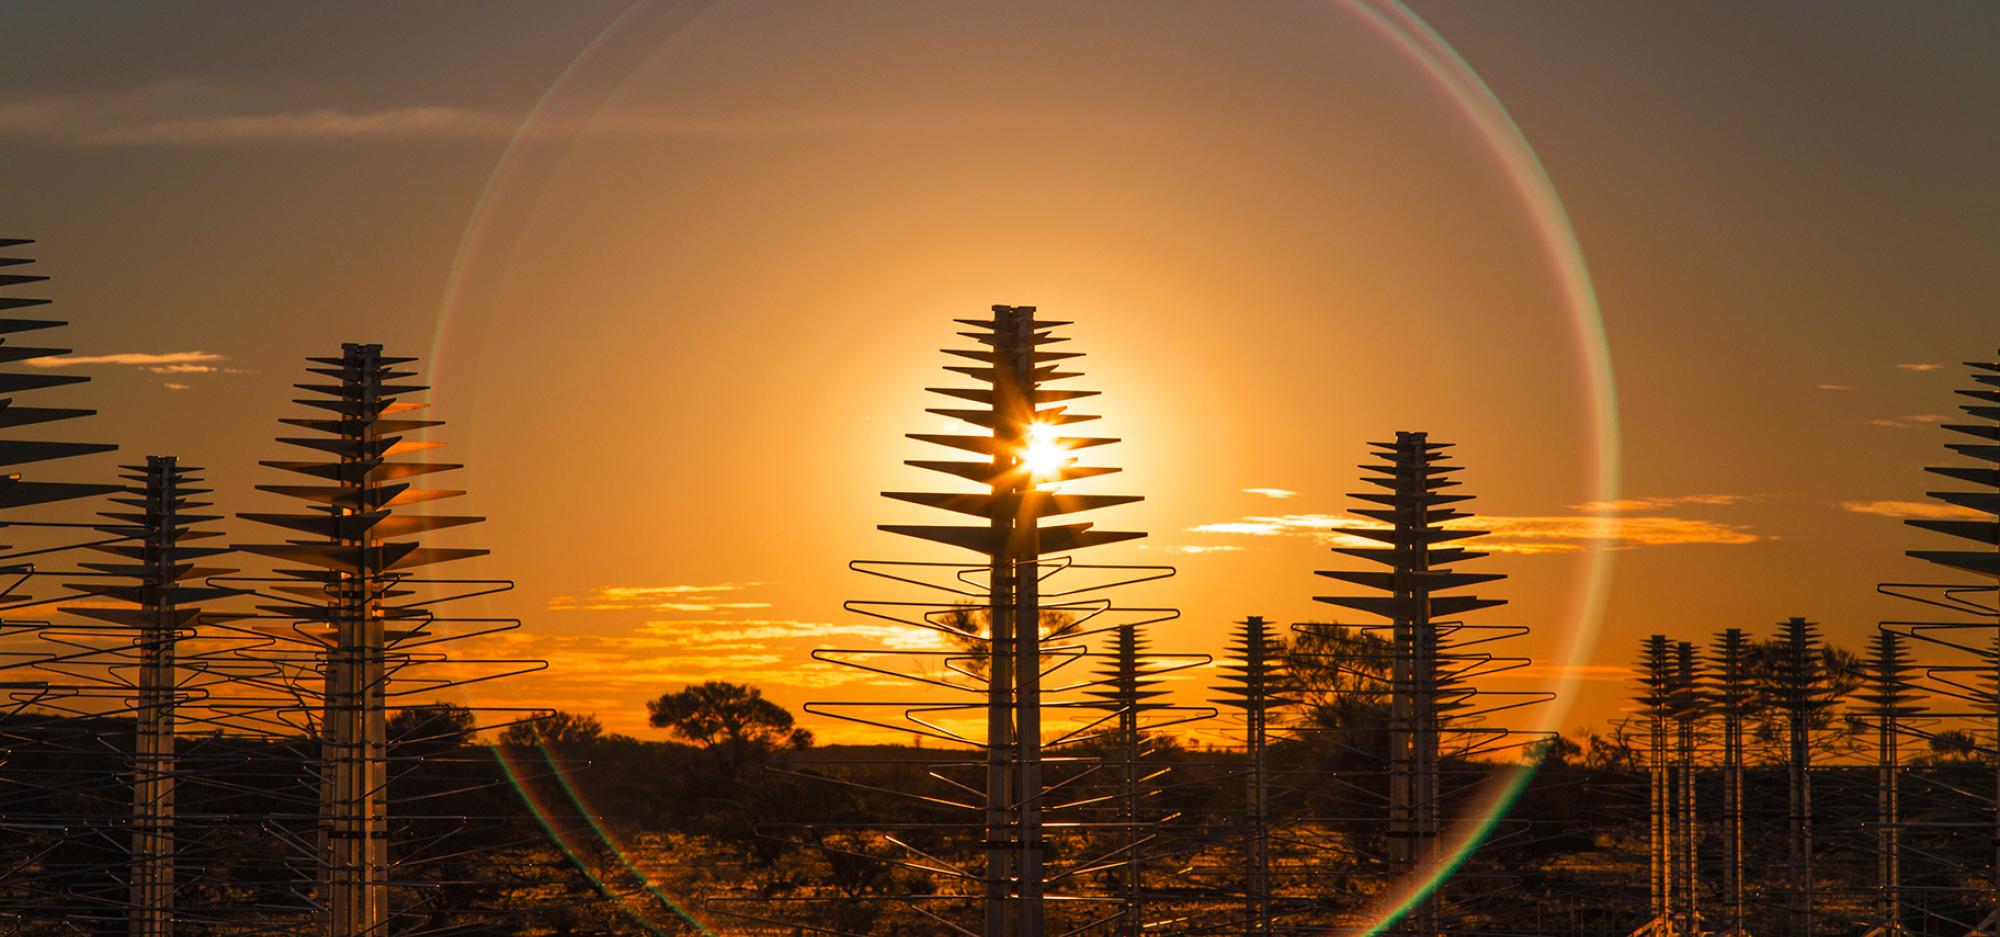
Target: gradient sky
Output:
{"points": [[681, 292]]}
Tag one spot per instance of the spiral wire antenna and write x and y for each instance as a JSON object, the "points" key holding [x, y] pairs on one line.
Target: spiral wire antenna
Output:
{"points": [[1441, 724], [1960, 617], [357, 632], [1009, 640]]}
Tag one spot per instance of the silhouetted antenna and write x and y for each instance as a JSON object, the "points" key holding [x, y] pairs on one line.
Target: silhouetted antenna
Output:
{"points": [[1656, 701], [1964, 617], [24, 807], [130, 661], [358, 628], [995, 612], [1688, 707], [14, 491], [1253, 685], [1127, 686], [1888, 699], [156, 597], [1798, 690], [1435, 658], [1733, 696]]}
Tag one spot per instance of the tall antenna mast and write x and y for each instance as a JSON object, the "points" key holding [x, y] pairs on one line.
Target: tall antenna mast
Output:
{"points": [[1798, 689], [1429, 678], [352, 578], [1253, 685], [996, 612], [1687, 711], [1964, 617], [157, 576], [1734, 694], [1656, 704], [1888, 699]]}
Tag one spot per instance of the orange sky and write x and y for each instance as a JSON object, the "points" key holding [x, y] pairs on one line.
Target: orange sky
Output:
{"points": [[704, 294]]}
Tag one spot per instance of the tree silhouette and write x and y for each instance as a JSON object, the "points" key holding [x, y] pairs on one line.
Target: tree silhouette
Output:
{"points": [[969, 627], [432, 725], [1340, 674], [557, 728], [728, 718]]}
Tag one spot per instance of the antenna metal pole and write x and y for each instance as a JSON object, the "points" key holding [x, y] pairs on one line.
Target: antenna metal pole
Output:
{"points": [[1687, 715], [1020, 564], [1656, 704], [153, 747]]}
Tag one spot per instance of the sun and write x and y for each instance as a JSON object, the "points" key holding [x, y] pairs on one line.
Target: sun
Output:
{"points": [[1044, 455]]}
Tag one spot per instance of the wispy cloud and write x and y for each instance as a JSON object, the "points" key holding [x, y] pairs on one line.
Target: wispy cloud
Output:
{"points": [[189, 362], [189, 113], [1920, 367], [1213, 548], [748, 634], [1907, 422], [1925, 509], [1570, 534], [1276, 493], [675, 598], [1631, 505], [205, 114], [1260, 526], [586, 665], [1526, 535], [316, 124], [1833, 387], [176, 364]]}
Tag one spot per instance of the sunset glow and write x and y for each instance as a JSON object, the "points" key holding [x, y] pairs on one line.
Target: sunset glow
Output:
{"points": [[723, 349]]}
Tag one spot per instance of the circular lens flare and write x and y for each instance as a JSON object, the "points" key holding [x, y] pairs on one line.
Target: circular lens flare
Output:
{"points": [[523, 172]]}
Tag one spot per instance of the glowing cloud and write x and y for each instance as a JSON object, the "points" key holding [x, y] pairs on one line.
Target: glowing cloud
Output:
{"points": [[1908, 422], [1926, 509], [172, 362], [1277, 493], [741, 634], [675, 598], [1521, 535], [1630, 505]]}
